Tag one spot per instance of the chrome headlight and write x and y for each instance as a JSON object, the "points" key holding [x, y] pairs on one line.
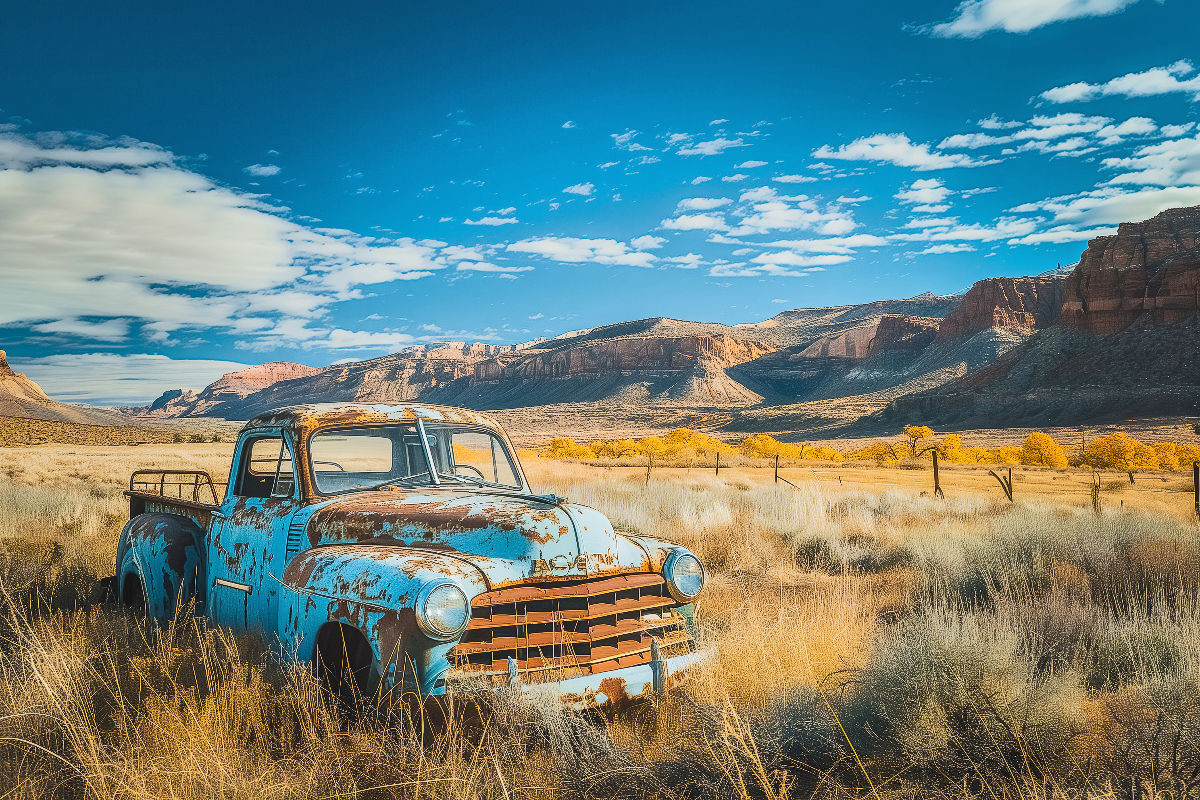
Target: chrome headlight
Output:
{"points": [[684, 574], [443, 611]]}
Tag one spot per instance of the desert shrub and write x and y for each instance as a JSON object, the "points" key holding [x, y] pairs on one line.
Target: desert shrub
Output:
{"points": [[949, 693]]}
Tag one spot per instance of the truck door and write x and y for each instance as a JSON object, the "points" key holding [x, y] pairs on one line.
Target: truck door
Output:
{"points": [[249, 534]]}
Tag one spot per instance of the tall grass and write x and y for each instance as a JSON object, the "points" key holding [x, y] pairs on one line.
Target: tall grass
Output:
{"points": [[866, 645]]}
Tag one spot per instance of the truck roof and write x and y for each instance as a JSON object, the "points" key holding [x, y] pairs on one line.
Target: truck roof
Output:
{"points": [[302, 419]]}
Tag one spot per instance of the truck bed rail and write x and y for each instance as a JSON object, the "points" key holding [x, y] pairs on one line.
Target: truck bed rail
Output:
{"points": [[189, 485]]}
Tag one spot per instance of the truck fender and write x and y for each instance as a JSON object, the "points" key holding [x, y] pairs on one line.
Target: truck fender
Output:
{"points": [[162, 557], [372, 589]]}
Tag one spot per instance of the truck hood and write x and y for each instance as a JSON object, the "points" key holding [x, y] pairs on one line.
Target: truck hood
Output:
{"points": [[507, 538]]}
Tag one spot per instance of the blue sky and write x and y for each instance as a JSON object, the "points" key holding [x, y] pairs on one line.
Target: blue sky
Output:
{"points": [[183, 192]]}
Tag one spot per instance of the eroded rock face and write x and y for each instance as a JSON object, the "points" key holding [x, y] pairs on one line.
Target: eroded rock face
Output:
{"points": [[1150, 267], [16, 386], [660, 354], [889, 332], [1020, 304]]}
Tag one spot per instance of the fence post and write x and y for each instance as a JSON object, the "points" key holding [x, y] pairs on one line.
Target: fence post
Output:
{"points": [[937, 480], [777, 467], [649, 466], [718, 470], [1196, 485]]}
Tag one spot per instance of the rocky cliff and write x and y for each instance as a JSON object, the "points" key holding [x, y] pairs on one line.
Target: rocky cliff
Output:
{"points": [[21, 397], [889, 332], [661, 354], [228, 389], [1017, 304], [1150, 267]]}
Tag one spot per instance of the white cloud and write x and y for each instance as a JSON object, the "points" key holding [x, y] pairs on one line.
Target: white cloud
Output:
{"points": [[750, 165], [973, 18], [841, 245], [689, 261], [574, 250], [109, 330], [948, 230], [487, 266], [696, 222], [261, 170], [711, 147], [48, 149], [702, 203], [1155, 81], [794, 179], [156, 248], [701, 179], [897, 149], [1063, 233], [853, 200], [925, 191], [721, 121], [935, 249], [1112, 205], [342, 339], [741, 176], [647, 242], [490, 221], [568, 124], [1170, 163], [764, 210], [791, 259], [758, 271], [625, 141], [608, 164], [581, 189], [119, 379]]}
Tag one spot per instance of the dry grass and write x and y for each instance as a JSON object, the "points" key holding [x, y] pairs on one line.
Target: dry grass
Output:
{"points": [[869, 640]]}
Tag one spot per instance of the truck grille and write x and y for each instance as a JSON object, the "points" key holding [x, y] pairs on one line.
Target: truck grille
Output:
{"points": [[571, 628]]}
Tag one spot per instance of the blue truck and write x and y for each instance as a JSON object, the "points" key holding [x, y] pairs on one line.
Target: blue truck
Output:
{"points": [[400, 547]]}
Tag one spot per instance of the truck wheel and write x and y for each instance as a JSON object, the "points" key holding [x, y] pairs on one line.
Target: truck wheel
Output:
{"points": [[343, 660]]}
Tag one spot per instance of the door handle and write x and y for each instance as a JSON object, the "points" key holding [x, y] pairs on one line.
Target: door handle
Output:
{"points": [[241, 587]]}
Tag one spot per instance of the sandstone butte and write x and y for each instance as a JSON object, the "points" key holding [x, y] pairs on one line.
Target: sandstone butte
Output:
{"points": [[1150, 267]]}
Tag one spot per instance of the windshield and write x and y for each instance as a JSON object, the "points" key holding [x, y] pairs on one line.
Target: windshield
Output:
{"points": [[364, 458]]}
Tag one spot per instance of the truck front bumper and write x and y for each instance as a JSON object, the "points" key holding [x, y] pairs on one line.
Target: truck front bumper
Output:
{"points": [[613, 688]]}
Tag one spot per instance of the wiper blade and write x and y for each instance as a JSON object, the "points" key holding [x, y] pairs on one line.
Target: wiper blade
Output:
{"points": [[404, 480], [464, 478]]}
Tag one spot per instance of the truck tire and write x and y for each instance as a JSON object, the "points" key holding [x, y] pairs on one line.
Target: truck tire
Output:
{"points": [[161, 558]]}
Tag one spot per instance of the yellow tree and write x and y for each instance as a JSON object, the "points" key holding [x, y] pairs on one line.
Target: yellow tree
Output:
{"points": [[915, 437], [1119, 451], [1040, 450], [1168, 455], [564, 447]]}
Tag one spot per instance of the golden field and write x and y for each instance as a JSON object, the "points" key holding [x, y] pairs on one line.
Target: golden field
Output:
{"points": [[872, 641]]}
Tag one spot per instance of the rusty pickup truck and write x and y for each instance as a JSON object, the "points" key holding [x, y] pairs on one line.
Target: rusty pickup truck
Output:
{"points": [[401, 546]]}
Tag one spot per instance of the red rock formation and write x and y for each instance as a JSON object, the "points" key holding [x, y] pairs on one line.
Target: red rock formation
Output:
{"points": [[1150, 267], [889, 332], [1021, 304], [631, 354]]}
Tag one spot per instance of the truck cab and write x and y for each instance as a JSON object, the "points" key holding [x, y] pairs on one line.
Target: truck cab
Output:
{"points": [[402, 545]]}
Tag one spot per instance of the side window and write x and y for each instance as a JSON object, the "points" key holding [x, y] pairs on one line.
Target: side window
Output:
{"points": [[266, 468], [481, 455]]}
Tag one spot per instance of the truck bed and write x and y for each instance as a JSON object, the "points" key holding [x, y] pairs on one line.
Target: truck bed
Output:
{"points": [[186, 493]]}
